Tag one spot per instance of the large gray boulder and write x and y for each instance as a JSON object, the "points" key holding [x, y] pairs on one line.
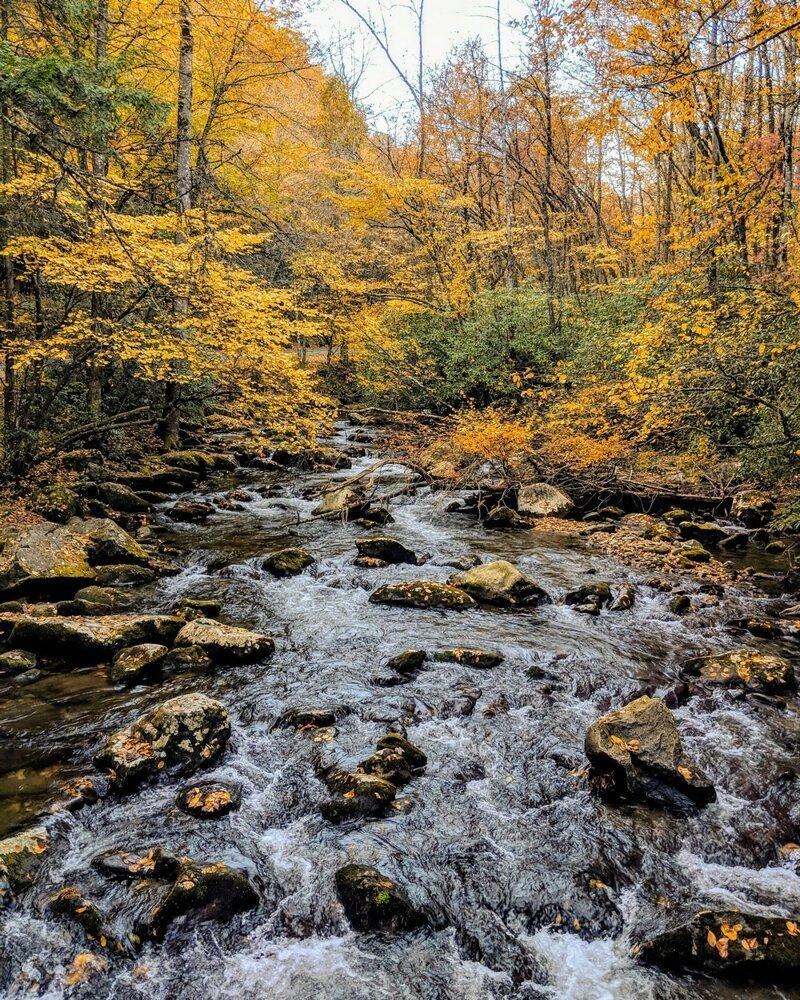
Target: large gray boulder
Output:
{"points": [[180, 735], [45, 557], [225, 643], [637, 756], [423, 594], [346, 502], [89, 638], [544, 500], [500, 582]]}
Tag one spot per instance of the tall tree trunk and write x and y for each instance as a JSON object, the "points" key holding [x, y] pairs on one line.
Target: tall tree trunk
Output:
{"points": [[183, 199], [99, 171], [8, 317], [509, 266]]}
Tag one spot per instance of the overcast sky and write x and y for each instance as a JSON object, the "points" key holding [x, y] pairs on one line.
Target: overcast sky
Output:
{"points": [[446, 23]]}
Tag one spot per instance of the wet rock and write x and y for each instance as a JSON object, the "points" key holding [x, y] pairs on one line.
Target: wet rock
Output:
{"points": [[753, 508], [591, 598], [186, 658], [689, 552], [90, 638], [199, 462], [680, 604], [500, 582], [637, 756], [158, 479], [191, 608], [288, 562], [109, 597], [106, 543], [70, 904], [59, 504], [389, 763], [121, 498], [373, 902], [412, 753], [16, 661], [743, 668], [346, 502], [312, 458], [407, 662], [505, 517], [81, 608], [303, 717], [133, 866], [45, 557], [191, 510], [734, 541], [374, 517], [586, 908], [461, 704], [202, 891], [137, 663], [226, 643], [423, 594], [706, 532], [21, 855], [761, 628], [239, 496], [182, 734], [477, 658], [79, 792], [209, 801], [543, 500], [367, 562], [730, 943], [356, 795], [124, 575], [387, 549], [677, 516], [624, 598]]}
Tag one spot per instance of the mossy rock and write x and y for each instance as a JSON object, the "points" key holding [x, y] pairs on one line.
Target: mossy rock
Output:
{"points": [[21, 855], [288, 562], [121, 498], [479, 659], [500, 582], [590, 598], [192, 608], [753, 508], [137, 664], [69, 904], [706, 532], [744, 668], [680, 604], [201, 892], [357, 795], [374, 902], [423, 594], [368, 562], [407, 662], [16, 661], [124, 575], [90, 638], [59, 504], [636, 755], [416, 757], [731, 944], [506, 517], [677, 516], [184, 658], [107, 596], [305, 717]]}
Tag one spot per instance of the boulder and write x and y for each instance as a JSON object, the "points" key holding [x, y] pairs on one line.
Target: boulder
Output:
{"points": [[367, 562], [59, 504], [319, 457], [752, 508], [124, 575], [624, 598], [137, 663], [356, 795], [288, 562], [591, 598], [158, 479], [706, 532], [303, 717], [71, 905], [374, 902], [133, 865], [191, 510], [16, 661], [121, 498], [47, 557], [389, 550], [543, 500], [636, 755], [688, 552], [407, 662], [734, 541], [423, 594], [106, 543], [374, 517], [744, 668], [477, 658], [182, 734], [500, 582], [209, 801], [89, 638], [199, 462], [185, 658], [415, 757], [731, 944], [391, 763], [680, 604], [202, 891], [677, 515], [346, 502], [21, 855], [226, 643], [505, 517], [109, 597]]}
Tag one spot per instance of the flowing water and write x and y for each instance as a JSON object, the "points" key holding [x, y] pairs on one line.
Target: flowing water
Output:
{"points": [[503, 834]]}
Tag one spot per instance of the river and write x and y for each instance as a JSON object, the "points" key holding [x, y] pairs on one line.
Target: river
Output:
{"points": [[502, 832]]}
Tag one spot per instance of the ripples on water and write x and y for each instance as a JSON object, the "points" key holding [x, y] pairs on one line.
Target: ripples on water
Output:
{"points": [[502, 831]]}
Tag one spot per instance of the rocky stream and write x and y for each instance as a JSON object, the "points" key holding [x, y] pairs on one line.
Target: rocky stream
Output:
{"points": [[376, 783]]}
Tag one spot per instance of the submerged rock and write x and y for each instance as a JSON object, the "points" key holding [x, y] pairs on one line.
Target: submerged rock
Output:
{"points": [[387, 549], [202, 891], [131, 865], [373, 902], [500, 582], [21, 855], [636, 755], [731, 944], [367, 562], [415, 757], [137, 663], [288, 562], [357, 794], [91, 638], [209, 801], [543, 500], [183, 734], [226, 643], [744, 668], [591, 598], [478, 658], [191, 510], [423, 594]]}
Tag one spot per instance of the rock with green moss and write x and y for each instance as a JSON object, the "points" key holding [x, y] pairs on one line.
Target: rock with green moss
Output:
{"points": [[109, 597], [501, 582], [106, 543], [16, 661], [191, 608], [124, 575], [186, 658], [89, 638], [288, 562], [423, 594], [706, 532], [591, 598], [137, 664], [199, 462], [387, 549], [121, 498], [389, 763], [180, 736], [202, 891], [479, 659], [416, 757], [374, 902], [58, 503], [636, 755], [730, 944], [744, 668], [677, 515], [357, 795], [21, 855], [689, 552], [680, 604], [226, 643], [45, 558], [408, 662]]}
